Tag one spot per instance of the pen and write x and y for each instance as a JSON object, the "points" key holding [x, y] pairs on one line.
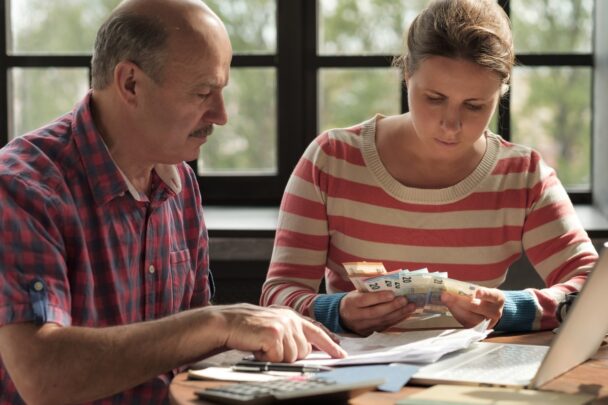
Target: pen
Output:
{"points": [[261, 366]]}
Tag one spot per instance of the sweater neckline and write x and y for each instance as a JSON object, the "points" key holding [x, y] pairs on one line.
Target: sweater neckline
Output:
{"points": [[419, 195]]}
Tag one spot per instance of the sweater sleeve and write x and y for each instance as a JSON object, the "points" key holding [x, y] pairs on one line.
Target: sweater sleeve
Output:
{"points": [[299, 256], [559, 249]]}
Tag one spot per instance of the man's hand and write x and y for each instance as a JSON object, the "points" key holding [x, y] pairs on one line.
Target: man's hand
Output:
{"points": [[55, 364], [273, 334], [487, 304], [366, 312]]}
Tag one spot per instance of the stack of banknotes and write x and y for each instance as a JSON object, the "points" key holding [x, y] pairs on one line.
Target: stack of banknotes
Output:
{"points": [[420, 286]]}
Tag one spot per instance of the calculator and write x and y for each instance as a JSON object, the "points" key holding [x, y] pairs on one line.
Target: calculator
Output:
{"points": [[301, 389]]}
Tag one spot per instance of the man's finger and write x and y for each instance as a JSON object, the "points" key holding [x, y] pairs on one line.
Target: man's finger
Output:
{"points": [[321, 340], [270, 351], [329, 333], [290, 349], [302, 344]]}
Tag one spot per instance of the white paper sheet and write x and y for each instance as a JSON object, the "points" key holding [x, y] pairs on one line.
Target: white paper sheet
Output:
{"points": [[227, 374], [420, 347]]}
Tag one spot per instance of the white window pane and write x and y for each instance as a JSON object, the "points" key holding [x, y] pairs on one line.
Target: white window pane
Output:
{"points": [[349, 96], [248, 143], [55, 27], [251, 24], [41, 95], [365, 26], [556, 26], [551, 112]]}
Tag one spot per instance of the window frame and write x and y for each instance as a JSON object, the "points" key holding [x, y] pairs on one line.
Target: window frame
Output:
{"points": [[297, 64]]}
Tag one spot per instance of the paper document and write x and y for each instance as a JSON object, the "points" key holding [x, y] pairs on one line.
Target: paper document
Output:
{"points": [[422, 347], [227, 374]]}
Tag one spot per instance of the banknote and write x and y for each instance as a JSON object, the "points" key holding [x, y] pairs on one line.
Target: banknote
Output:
{"points": [[368, 269], [462, 288], [358, 272], [419, 286]]}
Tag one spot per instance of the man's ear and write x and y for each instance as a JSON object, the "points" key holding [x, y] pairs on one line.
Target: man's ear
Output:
{"points": [[127, 79]]}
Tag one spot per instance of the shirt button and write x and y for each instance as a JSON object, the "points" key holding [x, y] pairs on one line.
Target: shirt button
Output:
{"points": [[38, 286], [151, 269]]}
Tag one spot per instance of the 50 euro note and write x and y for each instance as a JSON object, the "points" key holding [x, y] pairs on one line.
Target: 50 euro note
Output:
{"points": [[359, 271]]}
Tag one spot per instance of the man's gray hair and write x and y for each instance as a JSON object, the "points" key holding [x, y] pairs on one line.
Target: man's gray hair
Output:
{"points": [[127, 36]]}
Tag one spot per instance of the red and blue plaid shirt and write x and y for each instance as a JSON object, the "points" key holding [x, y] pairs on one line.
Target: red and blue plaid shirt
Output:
{"points": [[81, 247]]}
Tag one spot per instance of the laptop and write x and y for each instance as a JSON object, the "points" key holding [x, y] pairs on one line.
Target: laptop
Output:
{"points": [[530, 366]]}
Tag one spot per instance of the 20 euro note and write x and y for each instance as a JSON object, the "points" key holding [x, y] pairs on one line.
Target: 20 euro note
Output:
{"points": [[460, 288], [437, 283], [416, 288], [421, 287]]}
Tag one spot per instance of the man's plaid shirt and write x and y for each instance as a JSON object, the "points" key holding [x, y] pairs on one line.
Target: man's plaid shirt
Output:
{"points": [[80, 246]]}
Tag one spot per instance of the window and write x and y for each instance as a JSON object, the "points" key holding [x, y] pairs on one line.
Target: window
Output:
{"points": [[301, 66], [551, 98], [549, 106]]}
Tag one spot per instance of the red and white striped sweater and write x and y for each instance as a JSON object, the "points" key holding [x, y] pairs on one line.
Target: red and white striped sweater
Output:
{"points": [[342, 205]]}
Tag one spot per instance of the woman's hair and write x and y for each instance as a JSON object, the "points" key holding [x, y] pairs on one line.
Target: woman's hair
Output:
{"points": [[474, 30], [128, 36]]}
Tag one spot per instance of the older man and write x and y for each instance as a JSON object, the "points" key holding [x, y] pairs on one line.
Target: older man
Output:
{"points": [[104, 246]]}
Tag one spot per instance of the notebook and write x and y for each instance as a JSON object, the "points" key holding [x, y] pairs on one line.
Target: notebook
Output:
{"points": [[530, 366]]}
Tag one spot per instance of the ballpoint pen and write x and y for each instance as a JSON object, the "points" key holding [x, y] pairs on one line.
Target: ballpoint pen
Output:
{"points": [[261, 366]]}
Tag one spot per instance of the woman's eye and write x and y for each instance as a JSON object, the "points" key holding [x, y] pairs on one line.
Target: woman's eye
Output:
{"points": [[203, 95], [434, 100], [474, 107]]}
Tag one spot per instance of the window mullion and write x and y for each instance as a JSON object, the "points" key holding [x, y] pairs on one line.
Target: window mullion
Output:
{"points": [[4, 24]]}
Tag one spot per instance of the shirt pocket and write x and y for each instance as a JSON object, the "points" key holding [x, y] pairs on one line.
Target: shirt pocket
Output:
{"points": [[182, 279]]}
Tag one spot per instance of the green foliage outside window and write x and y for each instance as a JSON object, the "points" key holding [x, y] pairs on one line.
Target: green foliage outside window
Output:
{"points": [[551, 106], [365, 26], [42, 27]]}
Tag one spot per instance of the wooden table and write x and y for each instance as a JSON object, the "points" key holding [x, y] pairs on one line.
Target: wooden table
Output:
{"points": [[590, 377]]}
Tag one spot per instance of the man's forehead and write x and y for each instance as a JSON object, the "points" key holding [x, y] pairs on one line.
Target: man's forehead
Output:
{"points": [[199, 71]]}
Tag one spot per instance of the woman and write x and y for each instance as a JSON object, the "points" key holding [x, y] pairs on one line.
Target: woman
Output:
{"points": [[431, 188]]}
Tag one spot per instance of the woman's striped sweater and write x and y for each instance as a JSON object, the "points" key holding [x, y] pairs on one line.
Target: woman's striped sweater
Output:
{"points": [[342, 205]]}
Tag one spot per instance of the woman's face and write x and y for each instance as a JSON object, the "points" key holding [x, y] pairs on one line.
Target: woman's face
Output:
{"points": [[451, 103]]}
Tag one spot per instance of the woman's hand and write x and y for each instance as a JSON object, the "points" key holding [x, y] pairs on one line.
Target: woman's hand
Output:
{"points": [[487, 304], [366, 312]]}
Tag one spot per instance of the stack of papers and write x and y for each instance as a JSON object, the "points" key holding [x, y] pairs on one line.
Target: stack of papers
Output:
{"points": [[394, 376], [422, 347]]}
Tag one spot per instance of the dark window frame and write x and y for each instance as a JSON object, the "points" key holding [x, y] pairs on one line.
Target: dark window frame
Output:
{"points": [[297, 64]]}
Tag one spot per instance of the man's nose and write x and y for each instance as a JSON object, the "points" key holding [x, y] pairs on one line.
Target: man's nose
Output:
{"points": [[217, 114]]}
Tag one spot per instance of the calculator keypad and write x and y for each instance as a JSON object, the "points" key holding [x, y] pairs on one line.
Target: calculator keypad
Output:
{"points": [[272, 391]]}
